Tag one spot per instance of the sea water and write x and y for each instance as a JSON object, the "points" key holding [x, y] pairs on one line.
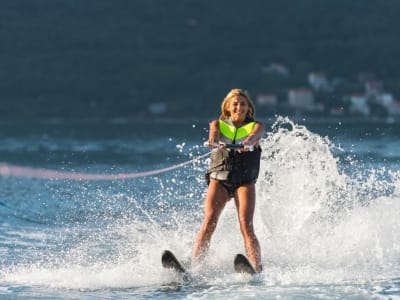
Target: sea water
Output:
{"points": [[327, 213]]}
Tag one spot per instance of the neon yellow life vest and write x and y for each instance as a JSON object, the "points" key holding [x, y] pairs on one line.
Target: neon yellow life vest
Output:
{"points": [[230, 165], [232, 135]]}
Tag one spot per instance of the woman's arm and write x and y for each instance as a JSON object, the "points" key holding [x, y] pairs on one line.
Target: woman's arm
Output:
{"points": [[213, 135]]}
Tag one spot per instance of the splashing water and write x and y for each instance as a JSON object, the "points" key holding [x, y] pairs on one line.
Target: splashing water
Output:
{"points": [[320, 224], [321, 221]]}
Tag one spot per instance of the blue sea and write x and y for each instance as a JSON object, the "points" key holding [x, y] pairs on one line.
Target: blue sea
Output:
{"points": [[327, 212]]}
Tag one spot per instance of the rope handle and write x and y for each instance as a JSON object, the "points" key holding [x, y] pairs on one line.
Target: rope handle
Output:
{"points": [[228, 146]]}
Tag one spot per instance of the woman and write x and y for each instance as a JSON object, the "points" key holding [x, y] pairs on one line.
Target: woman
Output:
{"points": [[232, 174]]}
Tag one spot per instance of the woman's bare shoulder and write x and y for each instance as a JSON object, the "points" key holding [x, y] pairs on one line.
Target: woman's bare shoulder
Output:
{"points": [[214, 123]]}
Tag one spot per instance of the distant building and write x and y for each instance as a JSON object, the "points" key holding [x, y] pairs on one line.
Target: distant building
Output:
{"points": [[373, 88], [318, 81], [359, 105], [301, 99], [394, 109], [385, 99], [158, 108], [267, 100], [276, 68]]}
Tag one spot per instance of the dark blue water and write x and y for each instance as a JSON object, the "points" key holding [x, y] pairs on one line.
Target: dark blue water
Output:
{"points": [[327, 213]]}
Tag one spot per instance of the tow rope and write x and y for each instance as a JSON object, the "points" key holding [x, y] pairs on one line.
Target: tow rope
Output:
{"points": [[40, 173]]}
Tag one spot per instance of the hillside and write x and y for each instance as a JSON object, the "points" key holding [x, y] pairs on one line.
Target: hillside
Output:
{"points": [[97, 58]]}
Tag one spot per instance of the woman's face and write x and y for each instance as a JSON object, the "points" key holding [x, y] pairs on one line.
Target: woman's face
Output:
{"points": [[238, 108]]}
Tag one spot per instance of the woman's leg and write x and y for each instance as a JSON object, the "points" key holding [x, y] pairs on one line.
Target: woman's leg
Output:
{"points": [[245, 200], [216, 198]]}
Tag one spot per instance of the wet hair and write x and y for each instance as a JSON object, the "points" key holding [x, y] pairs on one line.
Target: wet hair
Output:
{"points": [[228, 98]]}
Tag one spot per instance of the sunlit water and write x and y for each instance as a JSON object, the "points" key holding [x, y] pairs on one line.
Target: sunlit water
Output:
{"points": [[328, 211]]}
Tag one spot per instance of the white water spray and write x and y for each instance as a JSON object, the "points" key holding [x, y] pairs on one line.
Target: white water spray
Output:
{"points": [[318, 224]]}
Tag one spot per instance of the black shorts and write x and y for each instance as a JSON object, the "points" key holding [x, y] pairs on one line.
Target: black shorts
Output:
{"points": [[229, 185], [232, 187]]}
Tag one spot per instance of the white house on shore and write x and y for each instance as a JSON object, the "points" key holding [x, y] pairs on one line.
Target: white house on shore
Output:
{"points": [[269, 100], [301, 99], [157, 108], [394, 109], [385, 99], [318, 81], [373, 88], [392, 106], [276, 68], [359, 105]]}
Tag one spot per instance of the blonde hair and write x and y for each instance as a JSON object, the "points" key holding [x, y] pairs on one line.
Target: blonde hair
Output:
{"points": [[228, 98]]}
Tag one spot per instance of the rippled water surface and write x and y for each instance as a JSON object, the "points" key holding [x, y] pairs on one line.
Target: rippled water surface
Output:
{"points": [[328, 205]]}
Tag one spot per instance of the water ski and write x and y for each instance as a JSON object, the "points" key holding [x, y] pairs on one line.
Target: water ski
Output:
{"points": [[242, 265], [169, 261]]}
